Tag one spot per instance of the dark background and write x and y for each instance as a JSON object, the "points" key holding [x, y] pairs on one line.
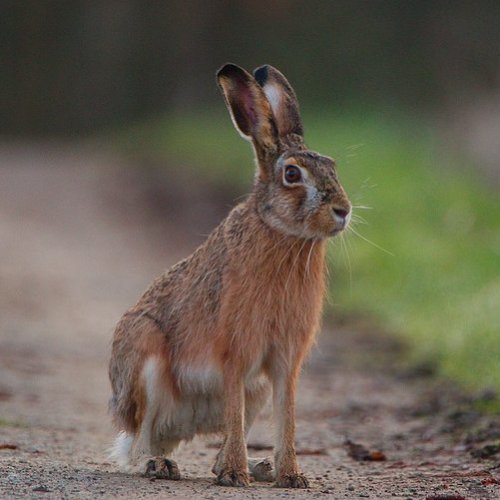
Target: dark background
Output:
{"points": [[76, 66]]}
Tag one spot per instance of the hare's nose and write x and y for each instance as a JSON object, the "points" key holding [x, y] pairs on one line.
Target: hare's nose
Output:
{"points": [[341, 215], [341, 212]]}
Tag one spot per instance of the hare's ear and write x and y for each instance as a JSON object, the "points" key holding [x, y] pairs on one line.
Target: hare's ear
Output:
{"points": [[282, 98], [249, 108]]}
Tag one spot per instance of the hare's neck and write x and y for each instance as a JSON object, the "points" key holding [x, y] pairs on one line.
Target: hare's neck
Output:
{"points": [[290, 261], [297, 255], [285, 261]]}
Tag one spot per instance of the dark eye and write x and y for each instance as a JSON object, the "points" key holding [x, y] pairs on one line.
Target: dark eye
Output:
{"points": [[292, 174]]}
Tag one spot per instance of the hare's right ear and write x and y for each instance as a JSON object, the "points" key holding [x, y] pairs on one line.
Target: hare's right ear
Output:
{"points": [[249, 108], [283, 100]]}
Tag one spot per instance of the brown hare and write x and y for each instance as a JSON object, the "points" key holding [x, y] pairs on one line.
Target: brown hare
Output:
{"points": [[205, 344]]}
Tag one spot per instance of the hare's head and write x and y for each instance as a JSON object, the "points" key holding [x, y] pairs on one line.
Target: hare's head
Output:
{"points": [[297, 190]]}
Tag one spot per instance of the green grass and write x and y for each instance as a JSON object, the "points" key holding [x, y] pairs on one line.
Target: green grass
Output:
{"points": [[439, 285], [7, 422]]}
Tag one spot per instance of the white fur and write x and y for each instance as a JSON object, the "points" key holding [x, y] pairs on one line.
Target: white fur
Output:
{"points": [[142, 445], [149, 374], [195, 378], [313, 198], [198, 411], [273, 95], [121, 449]]}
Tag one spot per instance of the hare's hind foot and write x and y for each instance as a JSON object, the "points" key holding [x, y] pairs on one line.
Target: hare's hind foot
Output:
{"points": [[295, 480], [261, 469], [162, 468]]}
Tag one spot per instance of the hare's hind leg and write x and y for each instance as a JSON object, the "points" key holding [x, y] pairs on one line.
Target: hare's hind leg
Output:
{"points": [[152, 446], [261, 469], [125, 452], [155, 461], [120, 452], [143, 401]]}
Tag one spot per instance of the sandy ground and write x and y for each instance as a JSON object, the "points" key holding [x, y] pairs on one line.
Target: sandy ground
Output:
{"points": [[81, 235]]}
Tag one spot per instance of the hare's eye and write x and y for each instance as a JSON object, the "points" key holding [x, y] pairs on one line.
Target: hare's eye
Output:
{"points": [[293, 174]]}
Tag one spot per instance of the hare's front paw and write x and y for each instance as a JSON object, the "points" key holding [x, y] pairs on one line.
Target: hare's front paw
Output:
{"points": [[294, 480], [162, 468], [232, 477]]}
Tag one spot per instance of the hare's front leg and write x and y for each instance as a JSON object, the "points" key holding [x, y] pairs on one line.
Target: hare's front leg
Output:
{"points": [[288, 474], [234, 468], [260, 469]]}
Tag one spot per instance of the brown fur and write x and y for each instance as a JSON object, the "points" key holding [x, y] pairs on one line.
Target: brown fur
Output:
{"points": [[248, 301]]}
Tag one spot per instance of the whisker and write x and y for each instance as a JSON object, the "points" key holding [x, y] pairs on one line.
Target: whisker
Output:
{"points": [[287, 254], [348, 260], [329, 296], [294, 262], [306, 273], [328, 261], [358, 219], [277, 243], [241, 197], [309, 256], [370, 242], [330, 255], [362, 189], [366, 184]]}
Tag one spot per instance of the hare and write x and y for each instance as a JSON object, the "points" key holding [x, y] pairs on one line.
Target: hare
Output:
{"points": [[214, 335]]}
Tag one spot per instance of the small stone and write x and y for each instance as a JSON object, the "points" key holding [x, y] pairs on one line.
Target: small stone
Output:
{"points": [[41, 489]]}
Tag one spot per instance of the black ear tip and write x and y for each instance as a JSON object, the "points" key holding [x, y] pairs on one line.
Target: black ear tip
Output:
{"points": [[261, 74], [229, 69]]}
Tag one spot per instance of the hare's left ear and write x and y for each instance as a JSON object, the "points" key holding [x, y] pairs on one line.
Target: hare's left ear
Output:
{"points": [[282, 98], [249, 108]]}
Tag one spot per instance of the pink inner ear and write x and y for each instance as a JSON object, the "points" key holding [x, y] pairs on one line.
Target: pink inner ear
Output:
{"points": [[247, 101]]}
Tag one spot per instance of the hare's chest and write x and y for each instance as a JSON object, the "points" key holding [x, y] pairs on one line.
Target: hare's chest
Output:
{"points": [[275, 316], [272, 307]]}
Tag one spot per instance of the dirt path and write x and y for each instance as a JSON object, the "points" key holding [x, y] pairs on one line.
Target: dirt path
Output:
{"points": [[79, 241]]}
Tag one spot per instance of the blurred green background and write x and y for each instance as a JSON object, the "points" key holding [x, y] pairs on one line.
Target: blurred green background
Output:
{"points": [[405, 95]]}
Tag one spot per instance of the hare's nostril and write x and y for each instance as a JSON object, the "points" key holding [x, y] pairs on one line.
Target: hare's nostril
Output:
{"points": [[341, 212]]}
